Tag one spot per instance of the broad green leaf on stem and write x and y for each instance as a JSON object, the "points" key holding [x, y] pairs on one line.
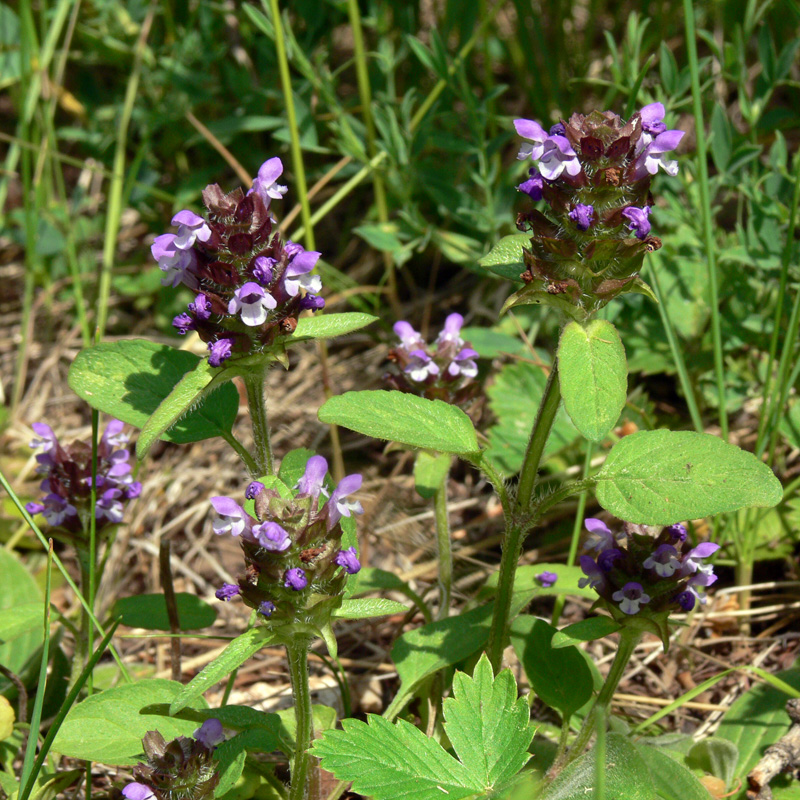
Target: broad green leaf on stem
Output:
{"points": [[230, 755], [560, 678], [129, 379], [672, 780], [388, 761], [149, 611], [403, 418], [328, 325], [756, 720], [369, 607], [514, 398], [430, 469], [26, 618], [534, 295], [505, 258], [233, 656], [108, 727], [587, 630], [527, 585], [371, 579], [488, 725], [663, 477], [196, 384], [715, 756], [627, 775], [19, 589], [422, 651], [593, 376]]}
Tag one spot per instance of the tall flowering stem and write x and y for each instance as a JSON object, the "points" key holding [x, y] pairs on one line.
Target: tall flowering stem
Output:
{"points": [[257, 405], [443, 548], [304, 773]]}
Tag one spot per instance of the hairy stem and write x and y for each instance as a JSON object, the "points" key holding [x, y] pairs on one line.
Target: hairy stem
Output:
{"points": [[443, 548], [304, 773], [254, 384]]}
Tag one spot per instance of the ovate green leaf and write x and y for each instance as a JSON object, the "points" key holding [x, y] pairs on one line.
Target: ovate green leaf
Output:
{"points": [[663, 477], [19, 591], [403, 418], [327, 326], [586, 630], [505, 258], [149, 611], [366, 608], [672, 780], [593, 375]]}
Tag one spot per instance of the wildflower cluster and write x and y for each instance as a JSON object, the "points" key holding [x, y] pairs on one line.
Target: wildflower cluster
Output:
{"points": [[67, 484], [291, 542], [182, 769], [634, 572], [594, 173], [249, 284], [442, 371]]}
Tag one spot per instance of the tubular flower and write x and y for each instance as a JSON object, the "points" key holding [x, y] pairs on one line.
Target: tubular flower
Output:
{"points": [[67, 481], [250, 285], [443, 371], [292, 544], [594, 174]]}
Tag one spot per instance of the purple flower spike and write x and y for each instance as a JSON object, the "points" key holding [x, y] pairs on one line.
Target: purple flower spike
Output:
{"points": [[420, 366], [677, 532], [113, 435], [231, 517], [266, 184], [272, 537], [607, 558], [201, 308], [295, 579], [533, 186], [464, 363], [262, 271], [176, 264], [686, 600], [227, 592], [638, 217], [653, 119], [348, 559], [47, 440], [296, 276], [253, 303], [595, 578], [254, 488], [219, 351], [535, 133], [630, 597], [547, 579], [664, 561], [210, 733], [191, 228], [138, 791], [452, 329], [558, 157], [408, 336], [338, 505], [600, 538], [582, 215], [314, 476], [266, 608], [183, 323]]}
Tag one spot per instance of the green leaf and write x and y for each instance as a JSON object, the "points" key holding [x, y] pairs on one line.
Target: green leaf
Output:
{"points": [[324, 718], [671, 779], [593, 376], [420, 652], [231, 754], [587, 630], [149, 611], [716, 756], [25, 619], [129, 380], [366, 608], [327, 326], [527, 585], [560, 678], [393, 762], [381, 236], [488, 725], [627, 775], [188, 392], [663, 477], [233, 656], [108, 727], [505, 258], [403, 418], [430, 469], [19, 589], [371, 579], [757, 719]]}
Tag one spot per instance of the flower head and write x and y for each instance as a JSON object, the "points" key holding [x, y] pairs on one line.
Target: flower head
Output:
{"points": [[536, 135], [630, 597], [210, 733], [339, 506], [639, 222], [231, 517], [533, 186], [295, 579], [254, 488], [582, 215], [348, 560], [547, 579], [313, 478], [138, 791], [265, 185], [557, 157], [191, 228], [219, 351], [272, 536], [227, 592]]}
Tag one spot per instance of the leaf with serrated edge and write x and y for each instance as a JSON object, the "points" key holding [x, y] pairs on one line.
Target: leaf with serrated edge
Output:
{"points": [[488, 725], [233, 656], [403, 418], [393, 762], [593, 376], [664, 477]]}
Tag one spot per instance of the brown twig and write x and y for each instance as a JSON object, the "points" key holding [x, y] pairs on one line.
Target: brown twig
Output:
{"points": [[780, 757]]}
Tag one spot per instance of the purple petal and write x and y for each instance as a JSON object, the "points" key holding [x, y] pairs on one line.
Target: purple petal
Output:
{"points": [[668, 140], [210, 733], [227, 507], [137, 791], [349, 484], [188, 218], [704, 550], [163, 245], [302, 263], [530, 129], [652, 114], [270, 170]]}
